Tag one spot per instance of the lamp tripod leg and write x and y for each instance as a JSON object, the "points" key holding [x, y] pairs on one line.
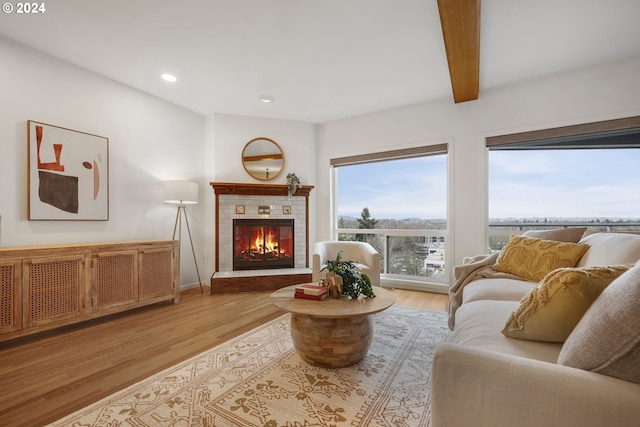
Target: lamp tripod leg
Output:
{"points": [[175, 225], [193, 251]]}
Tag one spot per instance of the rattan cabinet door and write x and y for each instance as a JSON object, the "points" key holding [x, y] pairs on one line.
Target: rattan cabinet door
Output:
{"points": [[54, 290], [115, 280], [10, 296], [157, 273]]}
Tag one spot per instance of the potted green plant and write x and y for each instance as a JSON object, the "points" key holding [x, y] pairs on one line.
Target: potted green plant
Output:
{"points": [[354, 283], [293, 183]]}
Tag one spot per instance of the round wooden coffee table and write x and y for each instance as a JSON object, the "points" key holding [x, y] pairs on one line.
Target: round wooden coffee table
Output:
{"points": [[332, 333]]}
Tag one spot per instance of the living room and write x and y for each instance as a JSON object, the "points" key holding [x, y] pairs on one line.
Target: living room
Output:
{"points": [[152, 140]]}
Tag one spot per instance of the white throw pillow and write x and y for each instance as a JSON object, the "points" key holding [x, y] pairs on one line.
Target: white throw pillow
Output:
{"points": [[610, 249]]}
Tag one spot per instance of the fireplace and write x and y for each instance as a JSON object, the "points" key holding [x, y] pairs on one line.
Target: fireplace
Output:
{"points": [[246, 201], [263, 244]]}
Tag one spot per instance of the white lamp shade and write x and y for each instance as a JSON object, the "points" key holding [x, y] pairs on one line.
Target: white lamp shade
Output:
{"points": [[180, 192]]}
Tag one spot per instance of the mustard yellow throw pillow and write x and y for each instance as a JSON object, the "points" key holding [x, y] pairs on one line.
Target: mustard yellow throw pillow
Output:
{"points": [[532, 258], [551, 310]]}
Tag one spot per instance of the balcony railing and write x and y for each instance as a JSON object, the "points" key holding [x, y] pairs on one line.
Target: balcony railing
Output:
{"points": [[499, 231], [420, 256], [406, 255]]}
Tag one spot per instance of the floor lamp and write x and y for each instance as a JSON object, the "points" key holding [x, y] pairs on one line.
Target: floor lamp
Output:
{"points": [[182, 193]]}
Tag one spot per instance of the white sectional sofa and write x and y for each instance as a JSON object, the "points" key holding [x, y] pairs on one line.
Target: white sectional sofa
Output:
{"points": [[485, 378]]}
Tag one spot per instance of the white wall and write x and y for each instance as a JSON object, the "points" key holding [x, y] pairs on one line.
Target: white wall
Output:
{"points": [[600, 93], [226, 137], [149, 141]]}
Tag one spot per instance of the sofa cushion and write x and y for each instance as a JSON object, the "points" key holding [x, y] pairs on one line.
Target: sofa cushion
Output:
{"points": [[553, 308], [532, 258], [496, 289], [478, 326], [573, 234], [607, 338], [610, 249]]}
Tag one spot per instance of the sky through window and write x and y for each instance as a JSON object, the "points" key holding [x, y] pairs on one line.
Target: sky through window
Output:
{"points": [[592, 183], [394, 189]]}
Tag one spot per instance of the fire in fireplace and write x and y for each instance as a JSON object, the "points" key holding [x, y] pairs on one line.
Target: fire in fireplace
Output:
{"points": [[262, 244]]}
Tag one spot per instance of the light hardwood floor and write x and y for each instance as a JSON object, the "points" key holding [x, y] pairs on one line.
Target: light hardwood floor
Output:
{"points": [[45, 377]]}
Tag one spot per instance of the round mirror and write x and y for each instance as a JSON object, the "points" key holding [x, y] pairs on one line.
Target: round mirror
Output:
{"points": [[263, 159]]}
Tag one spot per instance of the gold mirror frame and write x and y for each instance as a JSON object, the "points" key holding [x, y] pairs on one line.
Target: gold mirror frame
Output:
{"points": [[263, 159]]}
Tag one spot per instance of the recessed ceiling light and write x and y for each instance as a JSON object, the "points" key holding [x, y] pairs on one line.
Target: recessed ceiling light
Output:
{"points": [[266, 98], [169, 77]]}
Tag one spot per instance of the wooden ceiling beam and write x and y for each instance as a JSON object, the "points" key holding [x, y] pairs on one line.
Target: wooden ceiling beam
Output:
{"points": [[460, 21]]}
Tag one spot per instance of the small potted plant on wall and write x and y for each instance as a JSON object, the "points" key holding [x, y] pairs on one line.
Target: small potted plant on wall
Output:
{"points": [[354, 283]]}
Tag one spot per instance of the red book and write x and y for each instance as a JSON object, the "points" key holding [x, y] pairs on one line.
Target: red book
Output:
{"points": [[312, 297], [311, 289]]}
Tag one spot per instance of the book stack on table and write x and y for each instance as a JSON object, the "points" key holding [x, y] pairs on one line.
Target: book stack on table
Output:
{"points": [[311, 291]]}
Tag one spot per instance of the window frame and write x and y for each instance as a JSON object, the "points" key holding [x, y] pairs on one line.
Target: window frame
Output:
{"points": [[605, 134], [407, 282], [623, 133]]}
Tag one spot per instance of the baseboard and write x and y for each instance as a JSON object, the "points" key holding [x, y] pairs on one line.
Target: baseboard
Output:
{"points": [[438, 288]]}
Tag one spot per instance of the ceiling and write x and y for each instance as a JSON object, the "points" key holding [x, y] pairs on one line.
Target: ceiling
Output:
{"points": [[321, 60]]}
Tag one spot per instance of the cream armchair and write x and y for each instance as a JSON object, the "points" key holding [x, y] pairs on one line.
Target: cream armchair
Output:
{"points": [[366, 258]]}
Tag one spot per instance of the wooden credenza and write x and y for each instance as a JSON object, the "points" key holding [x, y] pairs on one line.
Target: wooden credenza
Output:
{"points": [[44, 287]]}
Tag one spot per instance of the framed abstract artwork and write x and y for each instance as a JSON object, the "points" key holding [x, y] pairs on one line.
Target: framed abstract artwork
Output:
{"points": [[68, 174]]}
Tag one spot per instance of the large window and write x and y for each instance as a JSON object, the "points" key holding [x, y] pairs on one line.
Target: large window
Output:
{"points": [[576, 179], [397, 202]]}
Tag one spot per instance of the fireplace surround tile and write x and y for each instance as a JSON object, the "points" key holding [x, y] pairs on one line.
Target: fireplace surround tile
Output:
{"points": [[227, 206], [252, 196]]}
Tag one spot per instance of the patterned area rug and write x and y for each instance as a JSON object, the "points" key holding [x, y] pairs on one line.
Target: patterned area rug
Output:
{"points": [[257, 379]]}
